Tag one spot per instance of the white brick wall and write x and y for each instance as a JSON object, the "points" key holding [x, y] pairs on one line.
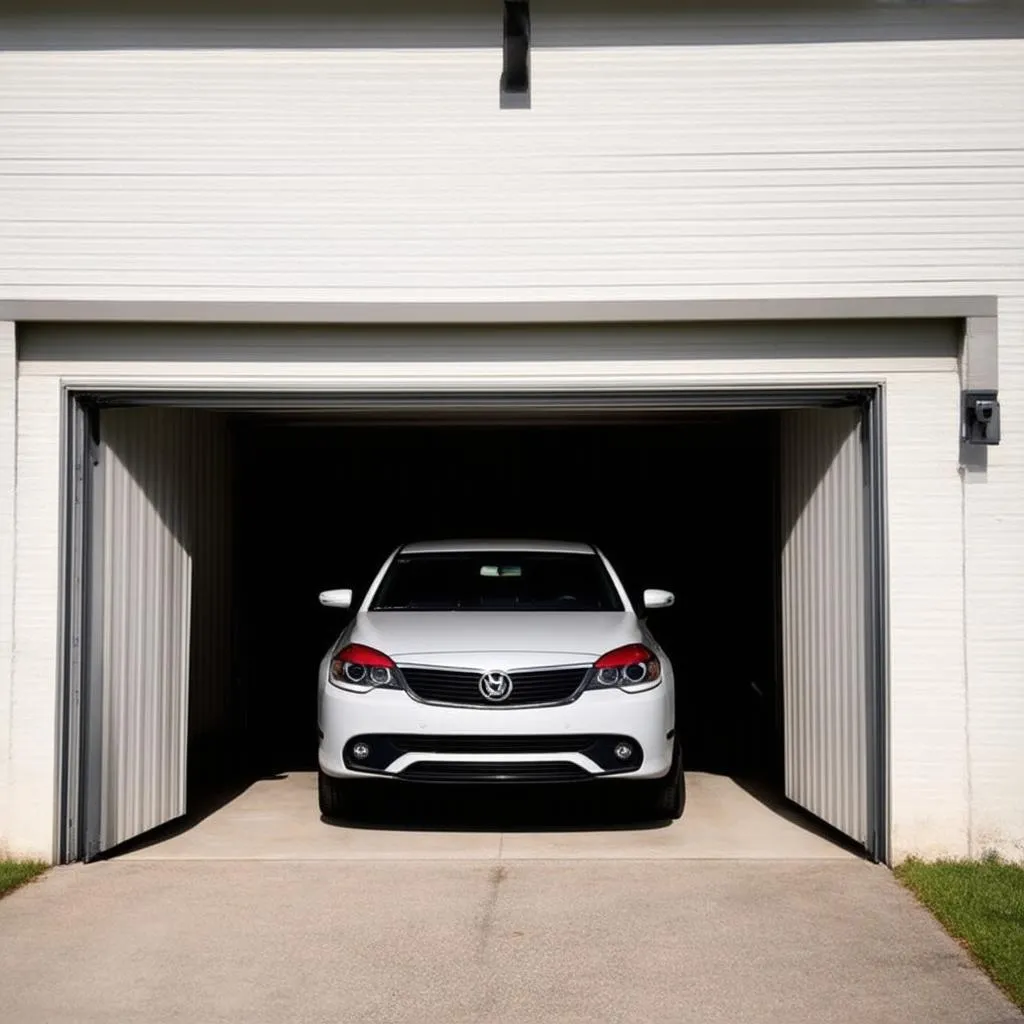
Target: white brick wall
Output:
{"points": [[994, 639], [8, 449], [30, 818], [929, 768]]}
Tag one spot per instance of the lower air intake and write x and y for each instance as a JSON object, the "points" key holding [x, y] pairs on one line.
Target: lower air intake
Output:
{"points": [[494, 771]]}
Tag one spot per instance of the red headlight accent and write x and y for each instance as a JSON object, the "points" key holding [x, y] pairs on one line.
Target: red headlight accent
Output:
{"points": [[357, 654], [631, 654]]}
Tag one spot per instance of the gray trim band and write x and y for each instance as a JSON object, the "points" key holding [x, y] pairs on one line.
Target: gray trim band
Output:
{"points": [[486, 313], [980, 360]]}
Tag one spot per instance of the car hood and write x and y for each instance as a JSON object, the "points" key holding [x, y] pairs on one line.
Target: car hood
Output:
{"points": [[517, 639]]}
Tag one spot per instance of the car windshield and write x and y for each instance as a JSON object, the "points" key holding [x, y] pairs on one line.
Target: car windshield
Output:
{"points": [[529, 581]]}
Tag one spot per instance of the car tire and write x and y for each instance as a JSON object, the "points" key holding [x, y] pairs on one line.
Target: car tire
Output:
{"points": [[669, 795], [334, 795]]}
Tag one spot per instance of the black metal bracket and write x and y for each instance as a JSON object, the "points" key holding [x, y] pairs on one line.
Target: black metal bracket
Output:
{"points": [[515, 73], [980, 417]]}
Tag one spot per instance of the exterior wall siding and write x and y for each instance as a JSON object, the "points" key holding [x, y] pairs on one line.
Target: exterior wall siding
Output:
{"points": [[862, 150], [821, 163]]}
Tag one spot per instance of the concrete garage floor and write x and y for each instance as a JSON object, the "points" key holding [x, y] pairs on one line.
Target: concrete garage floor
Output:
{"points": [[465, 942], [277, 819]]}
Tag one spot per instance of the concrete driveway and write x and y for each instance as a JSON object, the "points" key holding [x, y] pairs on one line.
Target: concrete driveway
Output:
{"points": [[430, 942]]}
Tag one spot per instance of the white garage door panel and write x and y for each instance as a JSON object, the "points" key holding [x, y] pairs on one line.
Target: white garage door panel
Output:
{"points": [[163, 564], [147, 601], [823, 601]]}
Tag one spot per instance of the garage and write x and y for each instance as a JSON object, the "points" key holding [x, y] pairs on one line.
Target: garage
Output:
{"points": [[502, 254], [202, 522]]}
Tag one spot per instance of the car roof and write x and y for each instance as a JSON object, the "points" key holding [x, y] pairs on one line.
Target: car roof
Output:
{"points": [[438, 547]]}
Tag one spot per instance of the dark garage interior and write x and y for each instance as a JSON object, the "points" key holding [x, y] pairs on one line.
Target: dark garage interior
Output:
{"points": [[686, 502]]}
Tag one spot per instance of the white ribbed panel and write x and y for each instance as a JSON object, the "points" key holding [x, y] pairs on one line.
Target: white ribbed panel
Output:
{"points": [[147, 600], [824, 679], [165, 565]]}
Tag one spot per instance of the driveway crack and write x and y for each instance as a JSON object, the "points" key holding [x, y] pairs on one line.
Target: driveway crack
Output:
{"points": [[485, 929]]}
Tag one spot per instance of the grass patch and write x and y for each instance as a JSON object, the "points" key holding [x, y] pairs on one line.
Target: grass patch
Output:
{"points": [[981, 903], [17, 872]]}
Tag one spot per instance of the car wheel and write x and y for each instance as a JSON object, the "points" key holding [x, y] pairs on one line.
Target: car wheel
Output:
{"points": [[334, 795], [669, 796]]}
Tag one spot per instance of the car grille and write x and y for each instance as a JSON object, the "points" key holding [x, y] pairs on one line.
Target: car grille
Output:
{"points": [[494, 771], [446, 686]]}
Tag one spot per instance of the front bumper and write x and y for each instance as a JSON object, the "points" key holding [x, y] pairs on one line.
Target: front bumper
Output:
{"points": [[568, 742]]}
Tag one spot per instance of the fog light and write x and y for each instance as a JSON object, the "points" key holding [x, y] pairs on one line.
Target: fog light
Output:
{"points": [[360, 751], [623, 751]]}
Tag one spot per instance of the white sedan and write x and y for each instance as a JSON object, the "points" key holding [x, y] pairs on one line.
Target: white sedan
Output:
{"points": [[498, 661]]}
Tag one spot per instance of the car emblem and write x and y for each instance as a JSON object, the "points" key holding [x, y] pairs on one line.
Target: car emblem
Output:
{"points": [[495, 686]]}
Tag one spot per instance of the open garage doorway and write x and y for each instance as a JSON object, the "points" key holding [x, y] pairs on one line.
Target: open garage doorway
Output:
{"points": [[207, 534], [687, 503]]}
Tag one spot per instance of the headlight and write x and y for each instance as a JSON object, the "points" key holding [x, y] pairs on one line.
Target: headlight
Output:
{"points": [[632, 666], [361, 669]]}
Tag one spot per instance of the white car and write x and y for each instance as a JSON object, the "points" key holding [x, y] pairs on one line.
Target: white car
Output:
{"points": [[498, 661]]}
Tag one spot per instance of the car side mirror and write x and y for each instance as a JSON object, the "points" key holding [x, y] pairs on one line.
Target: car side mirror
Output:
{"points": [[654, 599], [336, 598]]}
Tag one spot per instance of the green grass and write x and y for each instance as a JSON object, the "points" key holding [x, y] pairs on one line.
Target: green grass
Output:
{"points": [[17, 872], [981, 903]]}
